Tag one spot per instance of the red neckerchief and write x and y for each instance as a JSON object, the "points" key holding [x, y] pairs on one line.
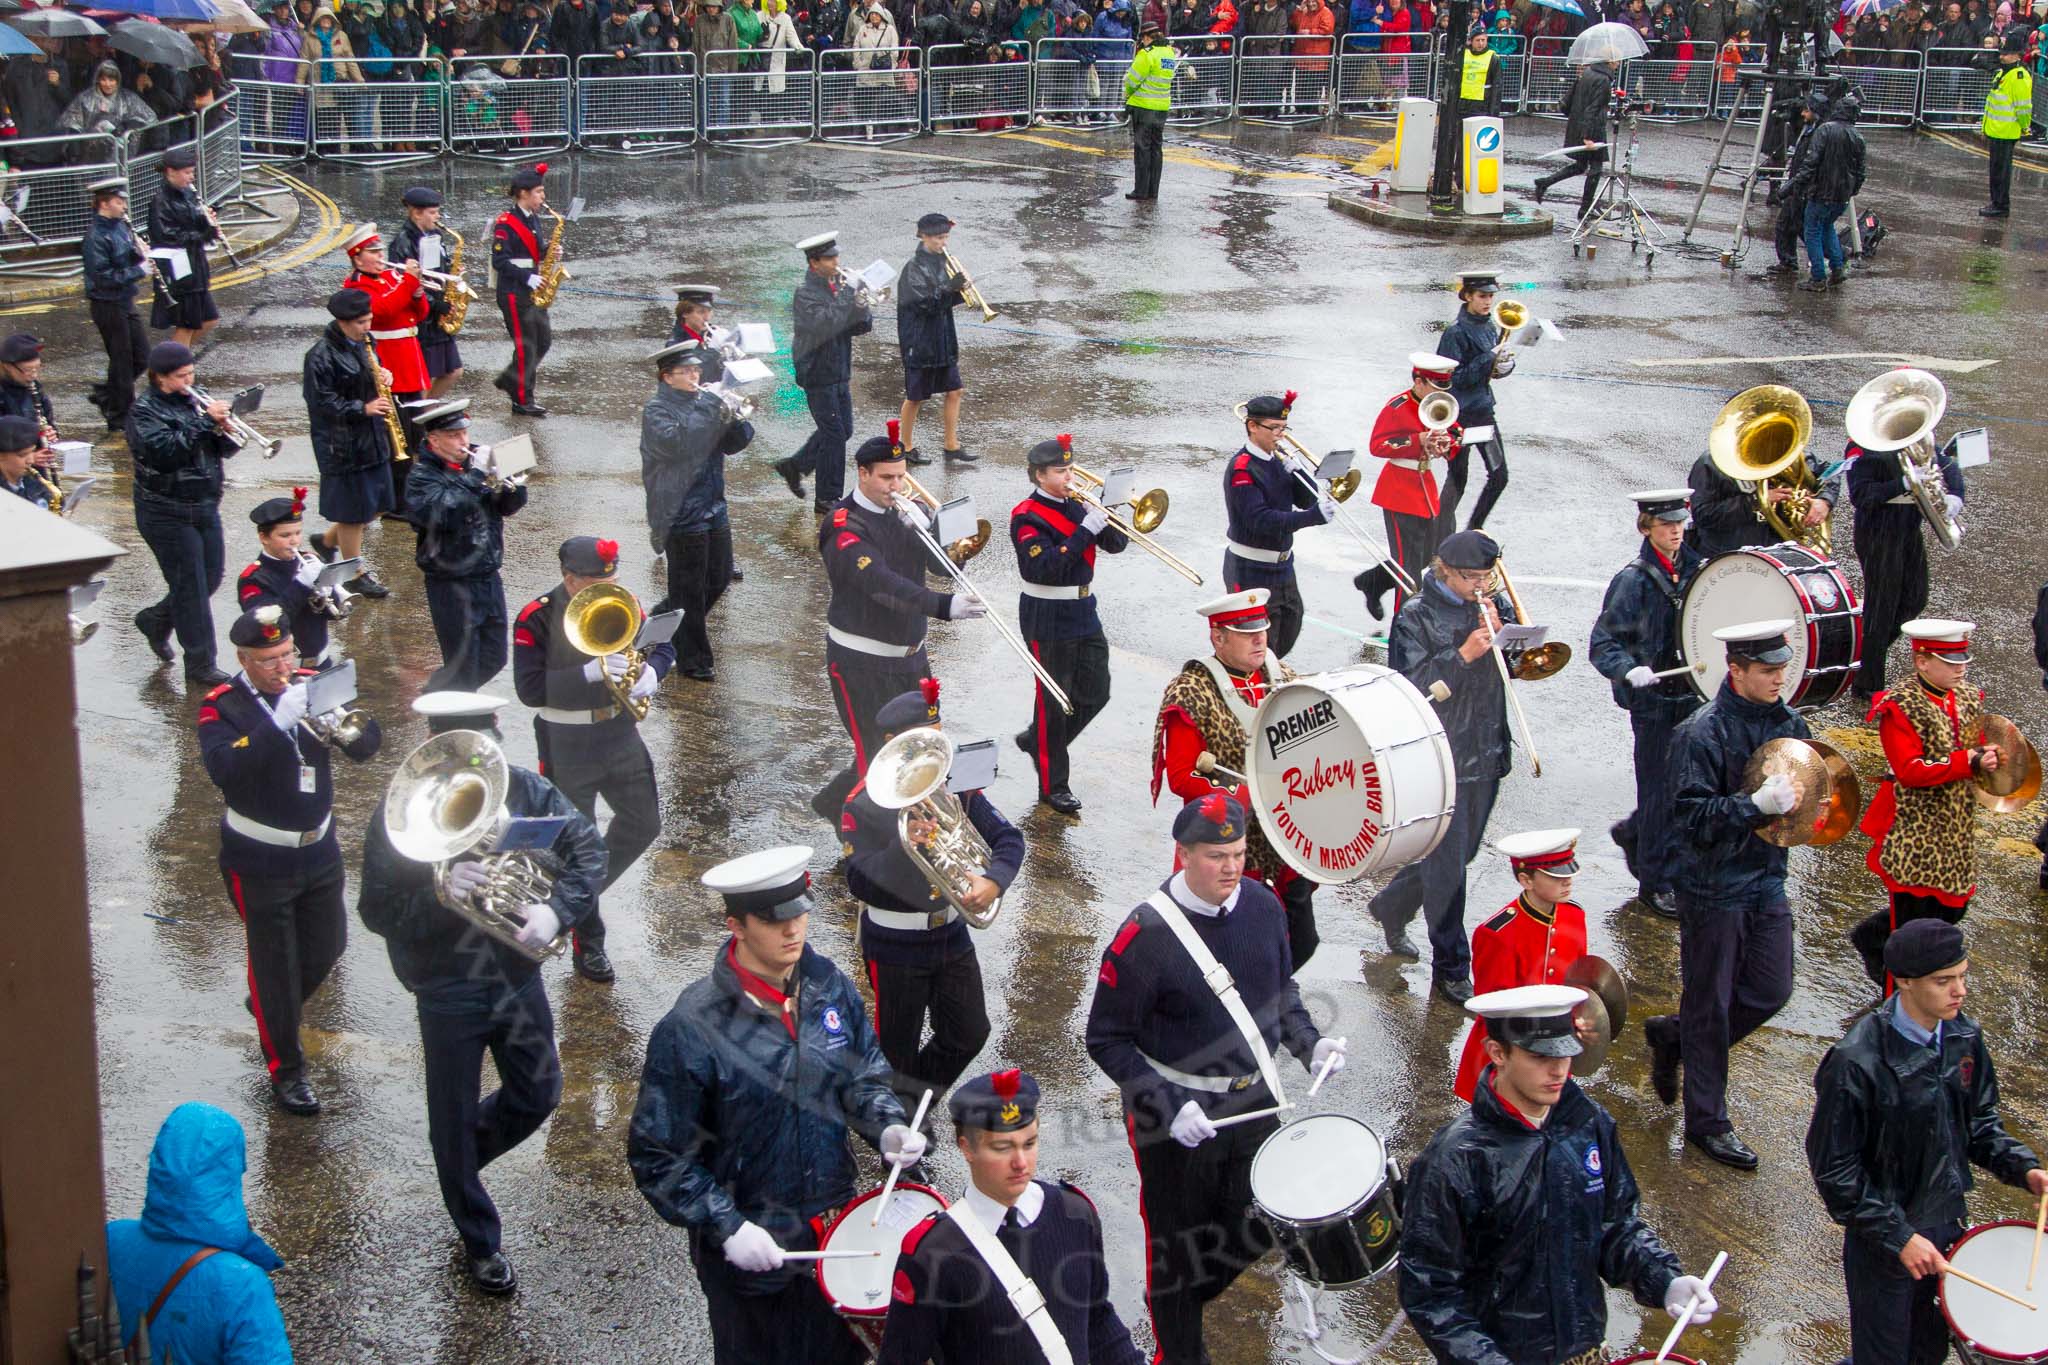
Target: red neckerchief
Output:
{"points": [[511, 219], [692, 333], [1670, 569], [1519, 1116], [759, 989]]}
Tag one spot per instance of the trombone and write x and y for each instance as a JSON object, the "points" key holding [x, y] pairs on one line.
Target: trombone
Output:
{"points": [[967, 547], [1546, 659], [238, 429], [1148, 510], [968, 292], [1521, 719], [1340, 492]]}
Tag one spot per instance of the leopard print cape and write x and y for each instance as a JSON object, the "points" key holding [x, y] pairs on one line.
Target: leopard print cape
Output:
{"points": [[1932, 840], [1194, 692]]}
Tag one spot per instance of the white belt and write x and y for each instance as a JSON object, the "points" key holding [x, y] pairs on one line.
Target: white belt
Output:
{"points": [[1187, 1080], [910, 921], [1405, 464], [591, 716], [1264, 556], [281, 838], [401, 334], [523, 262], [1049, 593], [862, 644]]}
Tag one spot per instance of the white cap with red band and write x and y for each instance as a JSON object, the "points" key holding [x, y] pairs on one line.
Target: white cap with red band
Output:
{"points": [[1945, 639], [1241, 611], [1543, 850], [366, 235]]}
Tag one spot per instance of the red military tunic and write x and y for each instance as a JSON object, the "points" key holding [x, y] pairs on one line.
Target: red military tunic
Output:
{"points": [[1518, 947], [1181, 744], [1405, 485], [397, 308]]}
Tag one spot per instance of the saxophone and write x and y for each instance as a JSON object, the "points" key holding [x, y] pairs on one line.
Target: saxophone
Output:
{"points": [[458, 299], [552, 272], [391, 423]]}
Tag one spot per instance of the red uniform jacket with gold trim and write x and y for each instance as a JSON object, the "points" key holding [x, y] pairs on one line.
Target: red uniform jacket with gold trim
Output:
{"points": [[396, 304], [1518, 947], [1397, 439]]}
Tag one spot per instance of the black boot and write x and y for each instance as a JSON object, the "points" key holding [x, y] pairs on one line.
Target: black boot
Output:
{"points": [[1660, 1031], [1868, 938]]}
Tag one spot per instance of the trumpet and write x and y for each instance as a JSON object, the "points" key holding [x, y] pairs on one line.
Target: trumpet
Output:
{"points": [[604, 619], [1340, 491], [864, 296], [967, 547], [341, 727], [738, 406], [1898, 411], [238, 429], [336, 601], [483, 459], [454, 286], [968, 292], [1545, 659], [1759, 437], [1148, 510], [908, 775]]}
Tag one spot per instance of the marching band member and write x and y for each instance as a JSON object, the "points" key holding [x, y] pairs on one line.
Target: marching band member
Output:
{"points": [[516, 257], [828, 314], [694, 303], [399, 304], [113, 263], [1478, 344], [178, 444], [350, 444], [686, 432], [1406, 490], [927, 291], [1892, 548], [739, 1136], [1443, 634], [20, 440], [177, 219], [1185, 1049], [874, 633], [1209, 706], [1922, 822], [475, 994], [1056, 536], [22, 393], [1265, 504], [1904, 1105], [280, 576], [278, 852], [589, 745], [1533, 941], [1635, 636], [1734, 922], [1724, 511], [920, 957], [951, 1299], [1522, 1209], [460, 519], [420, 237]]}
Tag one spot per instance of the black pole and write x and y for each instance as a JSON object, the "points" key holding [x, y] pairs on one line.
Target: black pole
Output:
{"points": [[1443, 180]]}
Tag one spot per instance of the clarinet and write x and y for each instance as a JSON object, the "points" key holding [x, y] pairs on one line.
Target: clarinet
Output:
{"points": [[163, 281]]}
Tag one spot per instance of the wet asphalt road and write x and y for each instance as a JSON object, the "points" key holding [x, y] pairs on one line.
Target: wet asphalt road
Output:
{"points": [[1136, 330]]}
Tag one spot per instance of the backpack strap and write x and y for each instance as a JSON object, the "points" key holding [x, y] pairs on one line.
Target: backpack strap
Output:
{"points": [[177, 1278]]}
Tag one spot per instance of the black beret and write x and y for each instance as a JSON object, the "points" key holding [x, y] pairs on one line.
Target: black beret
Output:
{"points": [[167, 356], [1058, 451], [1211, 819], [908, 710], [259, 627], [589, 557], [19, 347], [1922, 947], [1469, 550], [529, 177], [348, 304], [180, 159], [276, 511], [1266, 405], [932, 224], [1000, 1102], [20, 433], [421, 197]]}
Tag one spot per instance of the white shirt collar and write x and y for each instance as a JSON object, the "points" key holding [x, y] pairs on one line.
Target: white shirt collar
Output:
{"points": [[1187, 900], [1041, 493], [1256, 453], [990, 1214], [857, 497]]}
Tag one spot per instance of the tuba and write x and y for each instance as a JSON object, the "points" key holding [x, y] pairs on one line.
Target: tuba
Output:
{"points": [[458, 299], [604, 619], [552, 272], [1759, 437], [1899, 411], [447, 802], [908, 775]]}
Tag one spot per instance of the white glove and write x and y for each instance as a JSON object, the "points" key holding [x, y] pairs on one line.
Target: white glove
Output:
{"points": [[1954, 505], [534, 281], [644, 685], [902, 1145], [1503, 364], [542, 924], [309, 572], [1682, 1292], [1327, 1048], [751, 1248], [1097, 518], [1191, 1127], [1775, 796], [965, 608], [290, 708], [613, 664], [1641, 677], [467, 878], [911, 515], [1327, 505]]}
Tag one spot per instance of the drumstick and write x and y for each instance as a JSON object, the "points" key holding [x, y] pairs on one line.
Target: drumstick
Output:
{"points": [[1681, 669], [1967, 1278], [1254, 1114], [889, 1185], [2040, 1219], [1323, 1074], [847, 1255], [1692, 1305]]}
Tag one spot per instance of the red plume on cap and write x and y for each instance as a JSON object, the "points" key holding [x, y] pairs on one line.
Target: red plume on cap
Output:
{"points": [[540, 168], [1006, 1082], [607, 549], [1066, 442], [298, 499], [1215, 807], [895, 435], [930, 688], [1287, 399]]}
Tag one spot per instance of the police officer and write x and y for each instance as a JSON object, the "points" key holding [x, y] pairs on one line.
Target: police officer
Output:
{"points": [[1522, 1209], [1904, 1106], [1185, 1050], [347, 417], [281, 576], [1148, 98], [694, 303], [476, 994], [421, 238], [1444, 634], [828, 315], [686, 432], [1056, 536], [927, 291], [20, 441], [178, 444], [1891, 547], [1725, 515], [953, 1282], [1406, 490], [739, 1136], [460, 519], [516, 255], [178, 219], [1479, 346], [1634, 639], [113, 264], [2008, 115], [1734, 922], [1265, 504], [278, 851], [1535, 938], [920, 958], [589, 745]]}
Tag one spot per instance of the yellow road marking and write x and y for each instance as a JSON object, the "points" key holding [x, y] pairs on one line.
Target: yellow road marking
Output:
{"points": [[1178, 158], [1981, 152]]}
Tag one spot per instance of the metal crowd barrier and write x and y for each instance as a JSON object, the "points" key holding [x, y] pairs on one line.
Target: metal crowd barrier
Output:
{"points": [[634, 112], [220, 150], [275, 105], [1284, 79], [1549, 77], [977, 97], [383, 122], [509, 118], [1891, 94], [1514, 80], [49, 200], [1204, 85], [869, 94], [1372, 82], [759, 108], [1952, 93], [1677, 91], [1081, 80]]}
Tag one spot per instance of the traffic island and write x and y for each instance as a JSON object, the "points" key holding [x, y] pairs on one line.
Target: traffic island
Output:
{"points": [[1413, 214]]}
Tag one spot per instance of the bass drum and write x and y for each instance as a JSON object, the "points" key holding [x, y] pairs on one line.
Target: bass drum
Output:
{"points": [[1762, 584], [1350, 774], [1986, 1327], [1324, 1186]]}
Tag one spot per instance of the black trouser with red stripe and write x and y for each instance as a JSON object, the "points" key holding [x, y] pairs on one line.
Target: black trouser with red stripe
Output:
{"points": [[531, 334], [1081, 668], [608, 759], [1412, 541], [948, 991], [1873, 929], [297, 926], [863, 684]]}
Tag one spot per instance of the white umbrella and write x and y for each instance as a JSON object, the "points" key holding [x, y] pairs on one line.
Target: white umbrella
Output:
{"points": [[1609, 42], [55, 23]]}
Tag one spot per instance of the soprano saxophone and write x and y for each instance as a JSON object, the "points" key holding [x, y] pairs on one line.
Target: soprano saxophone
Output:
{"points": [[391, 422], [552, 272], [458, 299]]}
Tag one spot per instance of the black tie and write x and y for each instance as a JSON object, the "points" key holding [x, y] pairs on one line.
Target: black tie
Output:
{"points": [[1011, 1222]]}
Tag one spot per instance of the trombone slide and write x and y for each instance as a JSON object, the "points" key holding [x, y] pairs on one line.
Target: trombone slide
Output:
{"points": [[1507, 684], [1372, 547], [1143, 541]]}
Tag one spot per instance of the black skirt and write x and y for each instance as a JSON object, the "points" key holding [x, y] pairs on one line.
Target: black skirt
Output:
{"points": [[357, 497], [193, 310], [441, 354]]}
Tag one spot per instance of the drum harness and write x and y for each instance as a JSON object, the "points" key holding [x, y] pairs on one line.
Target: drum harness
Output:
{"points": [[1217, 977], [1023, 1292]]}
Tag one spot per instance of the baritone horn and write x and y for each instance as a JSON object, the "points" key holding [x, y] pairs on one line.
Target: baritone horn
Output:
{"points": [[908, 775], [1898, 411], [1759, 437], [1148, 510], [604, 619]]}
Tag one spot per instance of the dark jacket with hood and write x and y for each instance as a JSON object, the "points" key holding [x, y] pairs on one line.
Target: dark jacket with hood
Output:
{"points": [[1831, 172]]}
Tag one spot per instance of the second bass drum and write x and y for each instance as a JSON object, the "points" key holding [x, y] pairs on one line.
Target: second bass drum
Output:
{"points": [[1763, 584]]}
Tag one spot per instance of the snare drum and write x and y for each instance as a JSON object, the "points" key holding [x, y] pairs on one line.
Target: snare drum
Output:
{"points": [[1322, 1185], [858, 1288], [1350, 773], [1762, 584], [1986, 1327]]}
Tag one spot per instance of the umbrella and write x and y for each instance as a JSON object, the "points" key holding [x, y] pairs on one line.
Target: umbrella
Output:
{"points": [[55, 23], [1856, 9], [1607, 43], [236, 16], [160, 9], [155, 43], [1565, 6], [12, 44]]}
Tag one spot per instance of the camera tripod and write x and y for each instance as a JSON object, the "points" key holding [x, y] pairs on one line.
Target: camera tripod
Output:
{"points": [[1616, 211]]}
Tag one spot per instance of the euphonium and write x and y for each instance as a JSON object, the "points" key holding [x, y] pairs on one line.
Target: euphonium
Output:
{"points": [[1899, 410], [552, 272], [605, 619], [908, 775], [1760, 437], [458, 299]]}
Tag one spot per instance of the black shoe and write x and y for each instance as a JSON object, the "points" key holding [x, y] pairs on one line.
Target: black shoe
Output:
{"points": [[1989, 212], [914, 456], [1725, 1148], [1782, 268], [1373, 594], [1813, 286], [1542, 188], [1624, 837], [206, 675], [159, 636], [1664, 904], [368, 585], [786, 467], [296, 1097], [503, 383], [327, 550], [1063, 801], [592, 964], [959, 455], [1398, 942], [1837, 278], [493, 1273], [739, 575], [1134, 196], [1660, 1031], [529, 410], [699, 674], [1456, 989], [1867, 937]]}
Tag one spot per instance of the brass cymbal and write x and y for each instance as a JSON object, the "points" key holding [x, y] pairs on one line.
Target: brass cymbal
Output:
{"points": [[1541, 662], [1596, 1034], [1594, 974], [2018, 777], [1830, 798], [1845, 799]]}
